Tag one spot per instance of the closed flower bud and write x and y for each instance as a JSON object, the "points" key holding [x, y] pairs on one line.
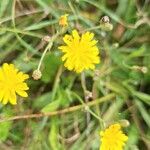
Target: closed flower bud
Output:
{"points": [[105, 19], [46, 38], [63, 21], [115, 45], [144, 69], [124, 123], [105, 24], [36, 74], [88, 95]]}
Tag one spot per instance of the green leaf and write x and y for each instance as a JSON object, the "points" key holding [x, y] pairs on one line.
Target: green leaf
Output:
{"points": [[51, 64], [133, 136], [142, 96], [51, 106], [117, 57], [113, 110], [108, 12], [53, 135], [144, 112], [135, 75], [64, 97], [40, 25], [5, 126], [116, 87], [25, 44], [3, 6], [42, 100], [46, 7], [62, 100], [137, 53]]}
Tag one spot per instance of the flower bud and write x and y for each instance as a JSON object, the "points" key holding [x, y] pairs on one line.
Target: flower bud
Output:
{"points": [[63, 21], [88, 95], [46, 38], [115, 45], [124, 123], [36, 74], [105, 19], [105, 24], [143, 69]]}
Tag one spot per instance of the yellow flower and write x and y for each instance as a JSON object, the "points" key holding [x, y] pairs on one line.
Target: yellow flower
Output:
{"points": [[113, 138], [63, 21], [80, 53], [12, 82]]}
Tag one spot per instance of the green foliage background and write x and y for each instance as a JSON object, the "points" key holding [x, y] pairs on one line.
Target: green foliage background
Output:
{"points": [[127, 45]]}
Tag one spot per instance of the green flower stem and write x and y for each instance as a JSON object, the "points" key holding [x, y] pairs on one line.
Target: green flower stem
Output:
{"points": [[87, 107], [93, 28], [48, 47], [56, 82], [83, 84]]}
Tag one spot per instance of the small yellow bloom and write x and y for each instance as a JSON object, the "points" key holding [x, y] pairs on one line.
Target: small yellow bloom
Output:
{"points": [[80, 52], [63, 21], [113, 138], [12, 82]]}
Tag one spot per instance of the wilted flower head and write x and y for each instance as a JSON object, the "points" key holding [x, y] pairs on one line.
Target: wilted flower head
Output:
{"points": [[80, 52], [112, 138], [63, 21], [12, 82]]}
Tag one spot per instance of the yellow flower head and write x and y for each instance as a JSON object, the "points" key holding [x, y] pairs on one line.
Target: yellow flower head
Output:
{"points": [[113, 138], [80, 52], [12, 82], [63, 21]]}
